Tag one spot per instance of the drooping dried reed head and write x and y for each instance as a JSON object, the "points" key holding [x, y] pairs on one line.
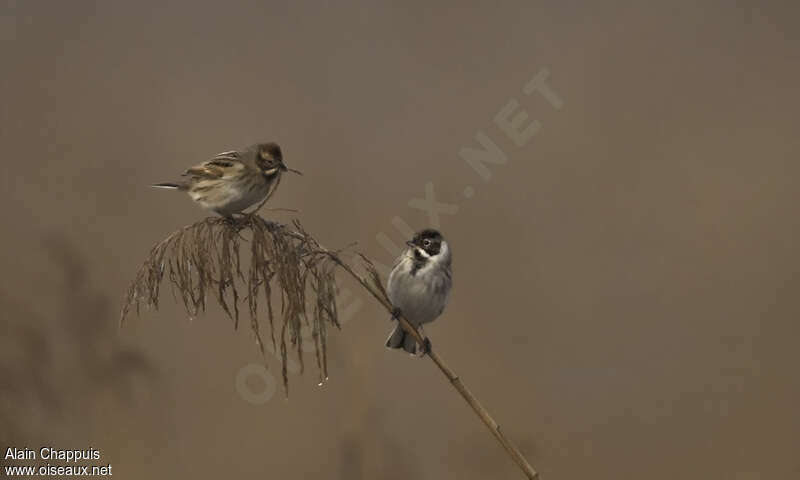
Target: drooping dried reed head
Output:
{"points": [[286, 265]]}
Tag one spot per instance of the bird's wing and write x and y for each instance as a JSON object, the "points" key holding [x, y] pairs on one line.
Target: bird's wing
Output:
{"points": [[215, 168], [396, 263], [399, 258], [232, 155]]}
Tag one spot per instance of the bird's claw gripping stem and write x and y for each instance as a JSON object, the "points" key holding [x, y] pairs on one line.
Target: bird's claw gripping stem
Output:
{"points": [[426, 347]]}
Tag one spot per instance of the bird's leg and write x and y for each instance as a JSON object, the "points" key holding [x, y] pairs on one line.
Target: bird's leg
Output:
{"points": [[240, 219], [227, 217], [426, 344], [234, 223], [426, 347]]}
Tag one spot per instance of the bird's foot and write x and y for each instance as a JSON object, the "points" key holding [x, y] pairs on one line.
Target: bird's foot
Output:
{"points": [[230, 220], [425, 348], [235, 224]]}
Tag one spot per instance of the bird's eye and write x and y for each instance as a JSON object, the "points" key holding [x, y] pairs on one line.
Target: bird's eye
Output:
{"points": [[426, 242]]}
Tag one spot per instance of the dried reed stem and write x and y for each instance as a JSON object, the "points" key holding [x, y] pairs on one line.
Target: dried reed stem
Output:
{"points": [[374, 286], [204, 258]]}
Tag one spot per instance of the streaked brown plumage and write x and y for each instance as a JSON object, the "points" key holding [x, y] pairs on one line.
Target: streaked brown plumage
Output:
{"points": [[233, 181]]}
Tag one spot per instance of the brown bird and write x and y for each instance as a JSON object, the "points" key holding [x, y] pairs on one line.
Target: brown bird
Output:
{"points": [[233, 181]]}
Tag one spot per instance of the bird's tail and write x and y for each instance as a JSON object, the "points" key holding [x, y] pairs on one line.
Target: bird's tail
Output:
{"points": [[171, 186], [401, 339]]}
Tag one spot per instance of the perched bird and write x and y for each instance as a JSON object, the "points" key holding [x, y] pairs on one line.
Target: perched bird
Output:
{"points": [[419, 286], [233, 181]]}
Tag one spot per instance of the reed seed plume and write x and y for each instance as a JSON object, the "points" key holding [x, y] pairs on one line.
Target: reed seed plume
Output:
{"points": [[243, 261]]}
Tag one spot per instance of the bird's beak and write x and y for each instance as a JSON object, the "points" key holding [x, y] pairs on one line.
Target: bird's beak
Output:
{"points": [[287, 169], [410, 244]]}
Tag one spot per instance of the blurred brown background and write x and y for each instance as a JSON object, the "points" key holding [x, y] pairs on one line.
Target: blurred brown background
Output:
{"points": [[626, 285]]}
